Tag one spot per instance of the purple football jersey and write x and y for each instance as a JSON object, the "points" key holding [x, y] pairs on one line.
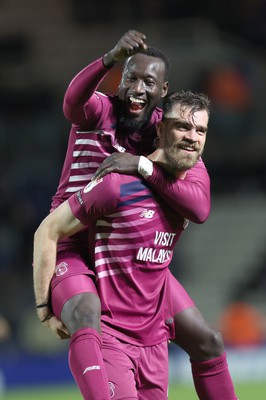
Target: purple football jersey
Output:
{"points": [[132, 237]]}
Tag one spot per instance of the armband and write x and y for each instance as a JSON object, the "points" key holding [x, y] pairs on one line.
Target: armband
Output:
{"points": [[145, 167]]}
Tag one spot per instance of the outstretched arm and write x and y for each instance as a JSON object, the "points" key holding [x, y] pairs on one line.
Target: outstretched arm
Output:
{"points": [[84, 84], [190, 196], [58, 224]]}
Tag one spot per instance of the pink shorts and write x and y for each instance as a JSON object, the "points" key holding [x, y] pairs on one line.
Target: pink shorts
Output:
{"points": [[178, 296], [134, 372], [72, 264], [72, 277]]}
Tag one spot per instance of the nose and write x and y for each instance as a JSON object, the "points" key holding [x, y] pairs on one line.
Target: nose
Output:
{"points": [[191, 135], [139, 86]]}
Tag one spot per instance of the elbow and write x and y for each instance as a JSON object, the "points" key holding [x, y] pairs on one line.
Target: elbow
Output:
{"points": [[203, 209], [37, 234], [67, 107], [201, 219], [201, 216], [45, 232]]}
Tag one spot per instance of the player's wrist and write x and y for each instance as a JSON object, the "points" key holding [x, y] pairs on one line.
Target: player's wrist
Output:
{"points": [[108, 60], [42, 305], [145, 167], [43, 310]]}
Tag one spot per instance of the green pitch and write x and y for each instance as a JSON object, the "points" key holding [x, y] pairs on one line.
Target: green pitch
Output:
{"points": [[244, 391]]}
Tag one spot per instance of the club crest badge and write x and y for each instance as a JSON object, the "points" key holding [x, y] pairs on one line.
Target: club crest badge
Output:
{"points": [[61, 269]]}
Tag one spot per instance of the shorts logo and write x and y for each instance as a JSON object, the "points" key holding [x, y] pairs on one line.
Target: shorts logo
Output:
{"points": [[147, 214], [61, 269], [112, 389]]}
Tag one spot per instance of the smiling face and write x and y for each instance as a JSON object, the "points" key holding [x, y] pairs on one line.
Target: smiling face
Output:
{"points": [[182, 137], [141, 89]]}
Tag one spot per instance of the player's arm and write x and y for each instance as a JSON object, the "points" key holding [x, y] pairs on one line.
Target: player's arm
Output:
{"points": [[58, 224], [82, 87], [190, 196], [80, 210], [81, 90]]}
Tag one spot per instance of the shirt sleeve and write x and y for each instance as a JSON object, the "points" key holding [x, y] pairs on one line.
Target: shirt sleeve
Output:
{"points": [[81, 89], [189, 197], [96, 199]]}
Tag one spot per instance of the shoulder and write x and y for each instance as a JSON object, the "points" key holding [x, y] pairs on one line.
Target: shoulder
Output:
{"points": [[199, 165], [108, 187], [103, 97], [100, 107], [199, 171], [157, 115]]}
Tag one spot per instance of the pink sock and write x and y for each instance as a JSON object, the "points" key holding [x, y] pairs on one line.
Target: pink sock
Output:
{"points": [[87, 366], [212, 379]]}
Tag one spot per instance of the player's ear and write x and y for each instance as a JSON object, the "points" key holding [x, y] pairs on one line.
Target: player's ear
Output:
{"points": [[160, 130], [165, 89]]}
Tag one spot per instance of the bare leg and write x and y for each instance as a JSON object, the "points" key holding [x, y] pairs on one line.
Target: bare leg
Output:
{"points": [[205, 347]]}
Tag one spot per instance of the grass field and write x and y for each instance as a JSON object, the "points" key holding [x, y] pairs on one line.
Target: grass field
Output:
{"points": [[244, 391]]}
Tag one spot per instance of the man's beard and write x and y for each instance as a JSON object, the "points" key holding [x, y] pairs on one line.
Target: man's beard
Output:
{"points": [[178, 160], [133, 124]]}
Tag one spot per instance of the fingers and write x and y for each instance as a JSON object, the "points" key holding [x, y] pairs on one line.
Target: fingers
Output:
{"points": [[130, 43], [62, 332], [62, 335], [134, 40], [58, 328], [104, 169], [123, 163]]}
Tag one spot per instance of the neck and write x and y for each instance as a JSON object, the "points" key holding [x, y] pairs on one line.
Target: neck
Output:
{"points": [[158, 157]]}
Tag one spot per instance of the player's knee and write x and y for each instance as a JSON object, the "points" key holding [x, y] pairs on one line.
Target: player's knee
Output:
{"points": [[213, 345], [82, 312], [85, 315]]}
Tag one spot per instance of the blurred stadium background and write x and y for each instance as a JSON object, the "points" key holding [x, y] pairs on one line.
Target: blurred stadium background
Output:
{"points": [[218, 49]]}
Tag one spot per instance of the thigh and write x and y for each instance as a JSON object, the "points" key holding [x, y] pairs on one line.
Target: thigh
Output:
{"points": [[152, 381], [120, 363], [70, 278], [69, 263], [72, 287]]}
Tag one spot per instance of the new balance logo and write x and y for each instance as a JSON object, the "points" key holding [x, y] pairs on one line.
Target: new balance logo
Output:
{"points": [[147, 214], [93, 367]]}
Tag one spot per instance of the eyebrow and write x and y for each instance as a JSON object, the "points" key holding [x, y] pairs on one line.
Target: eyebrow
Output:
{"points": [[186, 124]]}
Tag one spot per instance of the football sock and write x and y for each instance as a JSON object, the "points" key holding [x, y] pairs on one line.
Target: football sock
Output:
{"points": [[212, 379], [87, 366]]}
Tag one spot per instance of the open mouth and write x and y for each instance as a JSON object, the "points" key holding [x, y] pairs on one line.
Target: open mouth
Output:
{"points": [[188, 147], [136, 105]]}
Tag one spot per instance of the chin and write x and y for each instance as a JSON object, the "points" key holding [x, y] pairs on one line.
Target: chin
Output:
{"points": [[134, 123]]}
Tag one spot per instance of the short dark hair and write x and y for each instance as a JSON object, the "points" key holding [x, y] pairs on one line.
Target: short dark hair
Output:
{"points": [[153, 52], [186, 98]]}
